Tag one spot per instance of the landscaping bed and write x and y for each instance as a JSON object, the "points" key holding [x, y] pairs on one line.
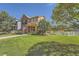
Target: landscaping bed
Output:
{"points": [[53, 49]]}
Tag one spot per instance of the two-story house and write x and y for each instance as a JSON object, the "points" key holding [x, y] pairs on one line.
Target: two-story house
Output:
{"points": [[30, 24]]}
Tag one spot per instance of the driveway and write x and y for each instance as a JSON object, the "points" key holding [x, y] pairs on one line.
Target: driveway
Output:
{"points": [[5, 37]]}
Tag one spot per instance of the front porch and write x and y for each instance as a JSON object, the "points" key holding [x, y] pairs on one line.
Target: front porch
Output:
{"points": [[30, 28]]}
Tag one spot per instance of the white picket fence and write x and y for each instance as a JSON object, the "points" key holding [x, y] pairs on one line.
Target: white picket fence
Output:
{"points": [[70, 33]]}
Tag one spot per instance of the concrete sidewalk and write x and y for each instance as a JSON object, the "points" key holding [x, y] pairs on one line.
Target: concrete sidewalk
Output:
{"points": [[11, 36]]}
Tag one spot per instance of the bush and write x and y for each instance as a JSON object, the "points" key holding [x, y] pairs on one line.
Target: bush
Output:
{"points": [[1, 33], [19, 32]]}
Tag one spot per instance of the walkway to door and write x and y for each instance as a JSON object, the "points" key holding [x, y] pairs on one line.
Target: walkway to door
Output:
{"points": [[5, 37]]}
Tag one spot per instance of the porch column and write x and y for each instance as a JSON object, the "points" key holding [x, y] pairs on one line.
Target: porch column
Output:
{"points": [[35, 28]]}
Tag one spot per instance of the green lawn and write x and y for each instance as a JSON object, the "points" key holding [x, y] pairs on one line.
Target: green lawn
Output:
{"points": [[20, 45]]}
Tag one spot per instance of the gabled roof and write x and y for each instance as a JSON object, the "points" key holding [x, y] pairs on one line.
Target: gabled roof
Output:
{"points": [[26, 17]]}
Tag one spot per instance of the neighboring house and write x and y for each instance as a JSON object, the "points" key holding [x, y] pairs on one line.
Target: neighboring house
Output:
{"points": [[29, 24]]}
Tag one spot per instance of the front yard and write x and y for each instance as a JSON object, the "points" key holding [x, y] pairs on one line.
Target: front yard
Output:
{"points": [[19, 46]]}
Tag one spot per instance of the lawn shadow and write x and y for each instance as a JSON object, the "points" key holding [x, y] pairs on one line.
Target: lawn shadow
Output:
{"points": [[53, 49]]}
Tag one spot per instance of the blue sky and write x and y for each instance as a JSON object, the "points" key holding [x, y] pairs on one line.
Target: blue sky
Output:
{"points": [[30, 9]]}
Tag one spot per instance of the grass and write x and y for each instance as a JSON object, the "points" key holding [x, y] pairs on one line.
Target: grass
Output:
{"points": [[19, 46]]}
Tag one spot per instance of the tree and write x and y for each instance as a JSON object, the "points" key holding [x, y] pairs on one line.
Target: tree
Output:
{"points": [[65, 14], [43, 26], [10, 23], [7, 23]]}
